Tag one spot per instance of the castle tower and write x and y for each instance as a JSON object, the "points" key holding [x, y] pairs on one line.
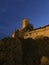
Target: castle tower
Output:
{"points": [[25, 22]]}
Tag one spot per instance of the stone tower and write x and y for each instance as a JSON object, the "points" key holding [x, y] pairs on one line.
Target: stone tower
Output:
{"points": [[25, 22]]}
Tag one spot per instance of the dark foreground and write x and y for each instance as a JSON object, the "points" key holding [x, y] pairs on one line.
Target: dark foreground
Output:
{"points": [[24, 52]]}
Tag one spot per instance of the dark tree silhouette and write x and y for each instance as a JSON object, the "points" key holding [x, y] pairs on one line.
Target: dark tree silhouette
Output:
{"points": [[29, 27], [20, 51]]}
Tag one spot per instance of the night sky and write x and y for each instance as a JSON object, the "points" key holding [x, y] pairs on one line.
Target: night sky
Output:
{"points": [[13, 11]]}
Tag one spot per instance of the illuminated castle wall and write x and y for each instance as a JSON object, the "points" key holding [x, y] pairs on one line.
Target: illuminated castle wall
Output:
{"points": [[35, 33], [41, 32]]}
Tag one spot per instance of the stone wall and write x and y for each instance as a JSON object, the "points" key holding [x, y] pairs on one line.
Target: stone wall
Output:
{"points": [[37, 33]]}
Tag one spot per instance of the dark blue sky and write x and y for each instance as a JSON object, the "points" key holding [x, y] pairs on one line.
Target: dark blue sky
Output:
{"points": [[13, 11]]}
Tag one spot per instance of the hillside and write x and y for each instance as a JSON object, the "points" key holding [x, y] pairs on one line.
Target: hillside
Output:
{"points": [[24, 51]]}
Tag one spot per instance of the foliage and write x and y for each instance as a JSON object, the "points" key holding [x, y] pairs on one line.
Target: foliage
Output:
{"points": [[29, 27], [10, 52], [23, 51]]}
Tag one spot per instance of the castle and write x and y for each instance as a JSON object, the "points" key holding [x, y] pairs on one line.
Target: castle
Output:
{"points": [[28, 31]]}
